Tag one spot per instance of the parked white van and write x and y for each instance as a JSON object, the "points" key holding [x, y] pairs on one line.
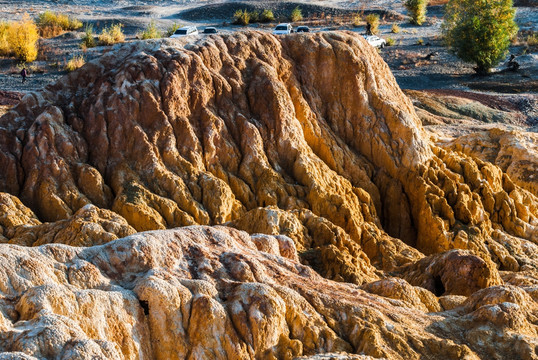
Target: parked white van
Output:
{"points": [[283, 29], [185, 31]]}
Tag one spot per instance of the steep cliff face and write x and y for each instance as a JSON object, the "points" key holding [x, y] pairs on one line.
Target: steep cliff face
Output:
{"points": [[305, 137]]}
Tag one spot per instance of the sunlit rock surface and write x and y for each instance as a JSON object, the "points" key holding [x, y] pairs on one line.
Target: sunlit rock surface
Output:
{"points": [[365, 237]]}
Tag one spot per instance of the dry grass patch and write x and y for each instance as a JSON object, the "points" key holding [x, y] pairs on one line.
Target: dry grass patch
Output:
{"points": [[75, 63], [112, 35]]}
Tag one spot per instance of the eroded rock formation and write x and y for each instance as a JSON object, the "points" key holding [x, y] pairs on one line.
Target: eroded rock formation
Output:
{"points": [[306, 143], [209, 293]]}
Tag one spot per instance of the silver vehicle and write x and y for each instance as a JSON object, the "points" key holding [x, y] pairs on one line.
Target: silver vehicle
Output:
{"points": [[375, 41], [185, 31], [283, 29]]}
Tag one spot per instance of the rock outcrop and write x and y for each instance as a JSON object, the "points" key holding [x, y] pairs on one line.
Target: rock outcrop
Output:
{"points": [[209, 293], [306, 143], [515, 152]]}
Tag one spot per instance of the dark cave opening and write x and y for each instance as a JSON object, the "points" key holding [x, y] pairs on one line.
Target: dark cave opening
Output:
{"points": [[145, 306], [438, 287]]}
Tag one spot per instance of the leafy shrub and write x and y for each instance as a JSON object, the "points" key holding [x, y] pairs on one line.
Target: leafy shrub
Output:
{"points": [[417, 10], [22, 39], [479, 32], [267, 16], [391, 42], [532, 40], [172, 29], [151, 32], [254, 16], [357, 20], [395, 29], [112, 35], [241, 17], [5, 49], [373, 20], [296, 14], [529, 39], [52, 24], [75, 63], [88, 40]]}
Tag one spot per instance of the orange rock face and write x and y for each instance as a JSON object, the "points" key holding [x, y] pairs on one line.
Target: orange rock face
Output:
{"points": [[306, 143]]}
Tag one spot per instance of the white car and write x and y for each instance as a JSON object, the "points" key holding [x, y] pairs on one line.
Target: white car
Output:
{"points": [[375, 41], [185, 31], [283, 29]]}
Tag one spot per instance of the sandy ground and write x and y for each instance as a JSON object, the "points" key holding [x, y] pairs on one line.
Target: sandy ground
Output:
{"points": [[426, 66]]}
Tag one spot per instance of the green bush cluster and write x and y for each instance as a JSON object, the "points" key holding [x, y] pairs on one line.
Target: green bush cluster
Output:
{"points": [[88, 40], [357, 20], [296, 15], [241, 17], [479, 31], [267, 16], [417, 10], [151, 32], [172, 29], [531, 39], [373, 20], [244, 17]]}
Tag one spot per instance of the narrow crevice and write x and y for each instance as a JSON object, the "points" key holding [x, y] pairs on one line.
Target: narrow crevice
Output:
{"points": [[438, 286]]}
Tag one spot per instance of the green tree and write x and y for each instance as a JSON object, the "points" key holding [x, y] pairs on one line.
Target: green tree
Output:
{"points": [[151, 32], [417, 10], [479, 31], [88, 40], [296, 14], [373, 21], [267, 16], [172, 29], [242, 17]]}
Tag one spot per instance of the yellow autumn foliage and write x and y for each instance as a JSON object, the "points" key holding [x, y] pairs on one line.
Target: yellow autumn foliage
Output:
{"points": [[4, 44], [22, 37]]}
